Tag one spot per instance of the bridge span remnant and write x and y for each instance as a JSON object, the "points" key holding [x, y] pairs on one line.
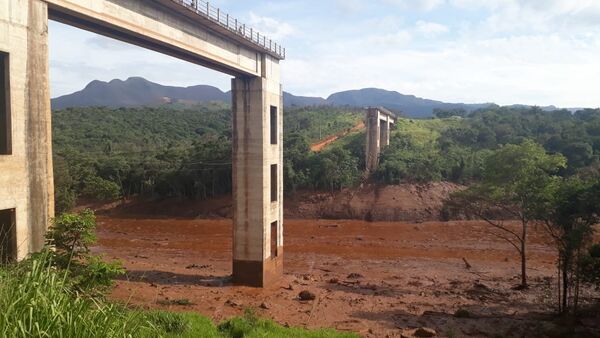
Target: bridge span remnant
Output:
{"points": [[378, 123], [190, 30]]}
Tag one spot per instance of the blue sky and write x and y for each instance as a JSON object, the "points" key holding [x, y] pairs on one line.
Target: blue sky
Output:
{"points": [[537, 52]]}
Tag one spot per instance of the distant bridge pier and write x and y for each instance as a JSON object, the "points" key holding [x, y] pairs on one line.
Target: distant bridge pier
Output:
{"points": [[378, 123]]}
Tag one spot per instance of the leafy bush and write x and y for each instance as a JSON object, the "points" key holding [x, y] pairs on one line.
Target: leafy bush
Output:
{"points": [[590, 266], [70, 237]]}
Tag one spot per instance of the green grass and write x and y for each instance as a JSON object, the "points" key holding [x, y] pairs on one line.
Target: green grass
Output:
{"points": [[423, 131], [37, 301]]}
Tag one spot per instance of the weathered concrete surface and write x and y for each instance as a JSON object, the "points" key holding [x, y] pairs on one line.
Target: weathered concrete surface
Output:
{"points": [[253, 155], [26, 181], [378, 121], [158, 25], [26, 174]]}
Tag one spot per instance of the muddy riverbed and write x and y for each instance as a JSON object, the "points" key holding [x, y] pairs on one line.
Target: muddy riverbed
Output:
{"points": [[377, 279]]}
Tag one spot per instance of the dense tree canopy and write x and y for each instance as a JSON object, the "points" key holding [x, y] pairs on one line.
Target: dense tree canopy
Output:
{"points": [[104, 154]]}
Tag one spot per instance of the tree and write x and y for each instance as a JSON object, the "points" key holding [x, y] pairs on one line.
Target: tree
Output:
{"points": [[515, 179], [335, 169], [569, 216], [101, 189]]}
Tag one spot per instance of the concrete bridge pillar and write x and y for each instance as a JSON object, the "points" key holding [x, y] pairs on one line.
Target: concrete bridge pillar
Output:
{"points": [[26, 197], [378, 121], [258, 177]]}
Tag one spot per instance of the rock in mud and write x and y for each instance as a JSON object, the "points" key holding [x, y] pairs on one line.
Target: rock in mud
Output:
{"points": [[354, 275], [306, 295], [264, 306], [425, 332]]}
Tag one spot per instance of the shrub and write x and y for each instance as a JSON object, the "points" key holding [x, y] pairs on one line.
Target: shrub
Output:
{"points": [[71, 236]]}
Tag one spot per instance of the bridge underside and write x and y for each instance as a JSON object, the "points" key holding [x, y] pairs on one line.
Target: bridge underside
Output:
{"points": [[26, 178]]}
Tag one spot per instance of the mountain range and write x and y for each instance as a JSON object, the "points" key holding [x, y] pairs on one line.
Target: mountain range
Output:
{"points": [[137, 91]]}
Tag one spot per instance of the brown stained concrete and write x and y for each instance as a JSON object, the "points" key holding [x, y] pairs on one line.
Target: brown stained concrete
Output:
{"points": [[26, 180], [253, 155]]}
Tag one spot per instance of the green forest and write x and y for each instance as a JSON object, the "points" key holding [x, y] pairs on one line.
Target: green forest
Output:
{"points": [[104, 154]]}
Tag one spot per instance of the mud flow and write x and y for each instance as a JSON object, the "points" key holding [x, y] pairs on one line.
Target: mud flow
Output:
{"points": [[376, 279]]}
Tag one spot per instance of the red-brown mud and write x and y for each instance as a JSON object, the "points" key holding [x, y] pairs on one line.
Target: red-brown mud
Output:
{"points": [[376, 279]]}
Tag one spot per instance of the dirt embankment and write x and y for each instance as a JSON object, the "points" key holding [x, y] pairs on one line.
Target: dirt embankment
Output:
{"points": [[406, 202]]}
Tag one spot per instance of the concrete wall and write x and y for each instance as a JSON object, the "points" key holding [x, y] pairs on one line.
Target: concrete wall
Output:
{"points": [[26, 175]]}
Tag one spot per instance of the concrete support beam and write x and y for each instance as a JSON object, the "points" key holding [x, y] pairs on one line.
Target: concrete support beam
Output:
{"points": [[258, 177], [160, 25]]}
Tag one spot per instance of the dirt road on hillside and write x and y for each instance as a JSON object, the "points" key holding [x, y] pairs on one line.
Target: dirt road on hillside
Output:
{"points": [[332, 138], [376, 279]]}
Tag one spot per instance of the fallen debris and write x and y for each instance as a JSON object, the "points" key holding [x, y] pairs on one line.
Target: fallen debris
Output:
{"points": [[355, 275], [306, 295], [425, 332], [467, 265]]}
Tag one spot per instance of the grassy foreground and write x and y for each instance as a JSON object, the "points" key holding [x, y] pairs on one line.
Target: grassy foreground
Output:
{"points": [[37, 300]]}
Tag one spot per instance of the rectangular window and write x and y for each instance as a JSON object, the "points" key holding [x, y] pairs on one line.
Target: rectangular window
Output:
{"points": [[274, 190], [274, 227], [274, 131], [8, 240], [5, 128]]}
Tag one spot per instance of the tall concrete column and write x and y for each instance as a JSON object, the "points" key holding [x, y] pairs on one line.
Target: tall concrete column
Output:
{"points": [[387, 132], [26, 180], [373, 139], [258, 177]]}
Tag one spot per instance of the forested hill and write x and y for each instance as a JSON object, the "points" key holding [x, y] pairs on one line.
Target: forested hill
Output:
{"points": [[138, 92], [185, 151]]}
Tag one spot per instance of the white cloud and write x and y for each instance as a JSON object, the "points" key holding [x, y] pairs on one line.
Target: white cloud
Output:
{"points": [[425, 5], [528, 69], [430, 29], [272, 28], [536, 15], [350, 6]]}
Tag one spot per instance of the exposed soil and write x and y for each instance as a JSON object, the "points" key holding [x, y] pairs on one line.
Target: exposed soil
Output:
{"points": [[372, 202], [406, 202], [376, 279], [320, 145]]}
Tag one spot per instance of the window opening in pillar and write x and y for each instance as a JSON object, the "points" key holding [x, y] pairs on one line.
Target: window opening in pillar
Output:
{"points": [[5, 118], [8, 240], [274, 187], [274, 131], [274, 234]]}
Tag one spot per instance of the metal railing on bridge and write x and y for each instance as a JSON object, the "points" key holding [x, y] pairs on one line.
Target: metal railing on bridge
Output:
{"points": [[225, 20]]}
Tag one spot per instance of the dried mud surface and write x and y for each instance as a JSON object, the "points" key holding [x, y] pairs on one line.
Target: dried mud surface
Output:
{"points": [[377, 279]]}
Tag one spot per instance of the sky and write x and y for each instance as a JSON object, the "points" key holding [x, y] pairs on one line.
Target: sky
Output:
{"points": [[536, 52]]}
